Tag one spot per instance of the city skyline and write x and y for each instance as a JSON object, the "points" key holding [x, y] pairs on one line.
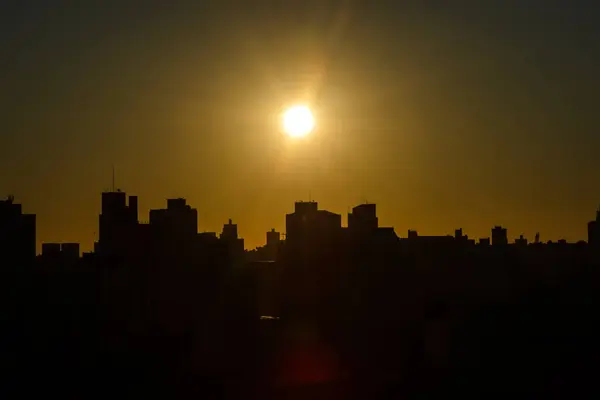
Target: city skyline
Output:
{"points": [[511, 237], [446, 115], [265, 199]]}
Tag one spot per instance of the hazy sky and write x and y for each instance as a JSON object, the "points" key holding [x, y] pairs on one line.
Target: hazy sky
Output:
{"points": [[446, 114]]}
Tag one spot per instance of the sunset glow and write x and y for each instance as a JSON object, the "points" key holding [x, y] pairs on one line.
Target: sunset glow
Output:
{"points": [[298, 121]]}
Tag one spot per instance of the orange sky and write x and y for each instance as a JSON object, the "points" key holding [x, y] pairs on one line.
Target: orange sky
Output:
{"points": [[462, 117]]}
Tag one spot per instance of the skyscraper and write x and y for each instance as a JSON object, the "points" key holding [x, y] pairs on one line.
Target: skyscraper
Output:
{"points": [[17, 234], [117, 223], [178, 220], [499, 236], [309, 224], [273, 238], [363, 218], [233, 242]]}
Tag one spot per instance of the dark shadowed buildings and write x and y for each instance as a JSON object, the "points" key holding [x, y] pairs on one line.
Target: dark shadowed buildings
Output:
{"points": [[118, 223], [65, 254], [363, 218], [50, 250], [594, 231], [229, 235], [17, 234], [499, 236], [273, 238], [173, 231], [521, 242], [309, 225], [484, 242], [178, 220], [273, 243]]}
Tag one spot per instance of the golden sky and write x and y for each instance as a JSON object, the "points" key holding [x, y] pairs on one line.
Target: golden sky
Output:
{"points": [[446, 117]]}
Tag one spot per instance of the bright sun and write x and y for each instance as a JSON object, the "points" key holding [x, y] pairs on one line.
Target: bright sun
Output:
{"points": [[298, 121]]}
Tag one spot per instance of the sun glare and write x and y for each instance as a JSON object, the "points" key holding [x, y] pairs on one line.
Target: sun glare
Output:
{"points": [[298, 121]]}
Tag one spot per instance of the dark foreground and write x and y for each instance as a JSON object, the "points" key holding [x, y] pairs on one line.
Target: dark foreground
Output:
{"points": [[385, 332]]}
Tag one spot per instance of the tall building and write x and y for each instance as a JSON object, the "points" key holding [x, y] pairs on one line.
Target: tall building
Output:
{"points": [[499, 236], [235, 245], [273, 238], [230, 231], [17, 234], [308, 224], [179, 220], [363, 218], [272, 248], [118, 223], [173, 231], [594, 231], [364, 230]]}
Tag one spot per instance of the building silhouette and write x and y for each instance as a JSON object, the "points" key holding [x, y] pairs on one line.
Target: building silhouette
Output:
{"points": [[175, 303], [273, 244], [70, 250], [267, 253], [59, 253], [51, 250], [172, 232], [17, 234], [364, 230], [499, 236], [230, 231], [229, 236], [179, 220], [521, 241], [594, 231], [273, 238], [309, 225], [118, 224], [363, 218]]}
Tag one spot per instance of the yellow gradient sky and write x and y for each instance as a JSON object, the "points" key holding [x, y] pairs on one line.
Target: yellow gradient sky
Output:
{"points": [[445, 116]]}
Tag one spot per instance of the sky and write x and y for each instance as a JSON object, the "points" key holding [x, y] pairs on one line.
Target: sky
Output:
{"points": [[446, 114]]}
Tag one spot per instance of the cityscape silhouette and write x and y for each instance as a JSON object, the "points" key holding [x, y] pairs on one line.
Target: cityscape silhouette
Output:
{"points": [[316, 199], [326, 311]]}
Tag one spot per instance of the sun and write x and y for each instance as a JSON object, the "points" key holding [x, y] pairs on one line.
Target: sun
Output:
{"points": [[298, 121]]}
